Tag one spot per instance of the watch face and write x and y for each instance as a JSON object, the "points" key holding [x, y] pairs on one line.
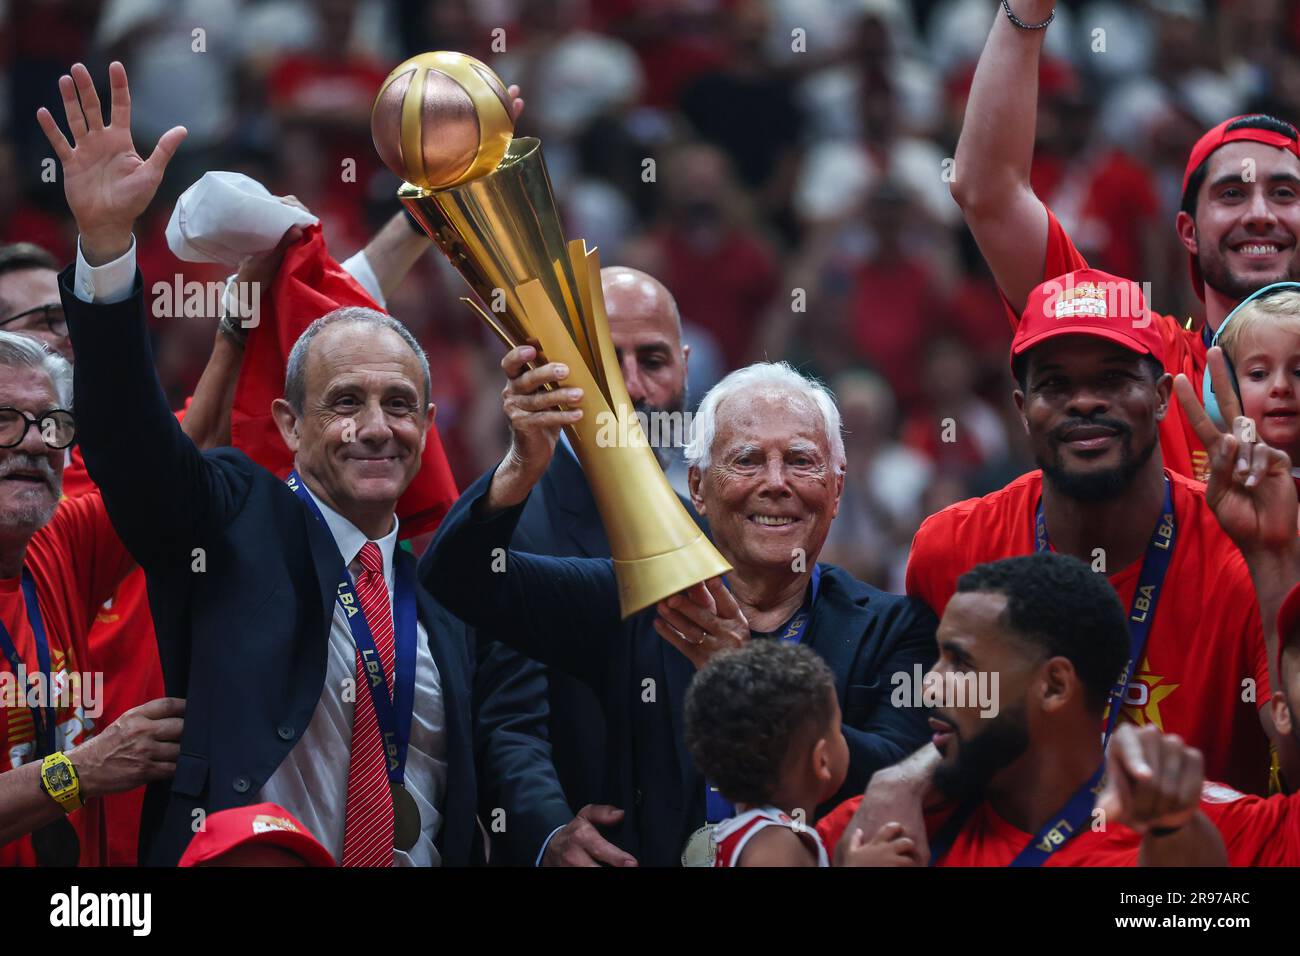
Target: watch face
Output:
{"points": [[57, 778]]}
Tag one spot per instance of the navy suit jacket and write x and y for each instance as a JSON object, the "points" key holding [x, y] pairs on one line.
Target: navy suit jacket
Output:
{"points": [[242, 580], [555, 720], [564, 613]]}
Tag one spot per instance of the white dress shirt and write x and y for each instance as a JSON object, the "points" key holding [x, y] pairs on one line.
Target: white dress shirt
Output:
{"points": [[312, 781]]}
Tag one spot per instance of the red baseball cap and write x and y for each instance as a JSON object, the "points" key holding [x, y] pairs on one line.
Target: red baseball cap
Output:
{"points": [[1221, 136], [261, 823], [1288, 619], [1089, 302]]}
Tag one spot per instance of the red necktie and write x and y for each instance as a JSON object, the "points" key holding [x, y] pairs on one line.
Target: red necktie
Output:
{"points": [[368, 829]]}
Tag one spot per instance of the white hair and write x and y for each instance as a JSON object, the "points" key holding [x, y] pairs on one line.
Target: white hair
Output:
{"points": [[24, 351], [772, 378]]}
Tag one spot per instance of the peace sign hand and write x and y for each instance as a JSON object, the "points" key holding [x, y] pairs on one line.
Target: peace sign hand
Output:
{"points": [[1251, 490], [105, 181]]}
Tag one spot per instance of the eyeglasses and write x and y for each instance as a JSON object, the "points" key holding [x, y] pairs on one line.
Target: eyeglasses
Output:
{"points": [[50, 317], [57, 427]]}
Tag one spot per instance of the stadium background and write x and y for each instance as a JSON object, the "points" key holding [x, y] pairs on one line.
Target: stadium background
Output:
{"points": [[799, 206]]}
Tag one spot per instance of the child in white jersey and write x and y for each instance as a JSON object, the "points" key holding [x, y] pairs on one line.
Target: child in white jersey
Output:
{"points": [[763, 726]]}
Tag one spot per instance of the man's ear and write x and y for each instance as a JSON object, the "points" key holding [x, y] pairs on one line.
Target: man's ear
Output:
{"points": [[1018, 397], [286, 419], [839, 491], [1165, 389], [428, 427], [1186, 227], [1281, 713], [1060, 683], [695, 484]]}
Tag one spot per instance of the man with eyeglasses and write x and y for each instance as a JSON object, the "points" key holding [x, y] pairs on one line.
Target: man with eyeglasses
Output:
{"points": [[59, 562], [29, 296]]}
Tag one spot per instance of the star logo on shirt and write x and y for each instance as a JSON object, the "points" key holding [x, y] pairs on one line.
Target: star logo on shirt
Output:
{"points": [[1143, 695]]}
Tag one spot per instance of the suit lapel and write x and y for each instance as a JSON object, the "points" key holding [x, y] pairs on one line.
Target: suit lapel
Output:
{"points": [[836, 629], [325, 555]]}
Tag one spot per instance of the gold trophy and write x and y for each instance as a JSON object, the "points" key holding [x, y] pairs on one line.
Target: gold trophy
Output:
{"points": [[442, 123]]}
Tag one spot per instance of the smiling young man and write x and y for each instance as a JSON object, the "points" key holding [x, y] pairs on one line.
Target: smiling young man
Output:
{"points": [[1239, 216], [1092, 394]]}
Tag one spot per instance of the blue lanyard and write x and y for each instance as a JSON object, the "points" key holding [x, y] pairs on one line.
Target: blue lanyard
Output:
{"points": [[1053, 835], [1159, 553], [393, 714], [716, 806], [43, 718]]}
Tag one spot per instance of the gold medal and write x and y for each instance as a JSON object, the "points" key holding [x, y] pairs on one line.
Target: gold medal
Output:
{"points": [[406, 817], [700, 849]]}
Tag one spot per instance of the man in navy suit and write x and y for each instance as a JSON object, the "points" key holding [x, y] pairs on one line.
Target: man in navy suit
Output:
{"points": [[254, 585], [553, 809], [767, 470]]}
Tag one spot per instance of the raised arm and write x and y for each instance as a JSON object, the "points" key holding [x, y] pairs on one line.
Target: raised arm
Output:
{"points": [[559, 611], [159, 489], [995, 151]]}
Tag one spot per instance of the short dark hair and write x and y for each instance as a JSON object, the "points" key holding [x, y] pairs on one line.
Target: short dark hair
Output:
{"points": [[1253, 121], [17, 256], [1020, 368], [747, 707], [1065, 609]]}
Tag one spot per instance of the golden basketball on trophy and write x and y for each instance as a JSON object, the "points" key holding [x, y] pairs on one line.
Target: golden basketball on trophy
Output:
{"points": [[499, 227], [441, 119]]}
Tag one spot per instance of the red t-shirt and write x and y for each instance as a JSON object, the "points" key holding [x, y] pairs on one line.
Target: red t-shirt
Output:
{"points": [[123, 645], [988, 840], [1184, 352], [1205, 638], [76, 561], [1257, 831]]}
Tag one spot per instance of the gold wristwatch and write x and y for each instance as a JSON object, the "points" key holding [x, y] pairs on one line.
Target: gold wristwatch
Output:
{"points": [[59, 780]]}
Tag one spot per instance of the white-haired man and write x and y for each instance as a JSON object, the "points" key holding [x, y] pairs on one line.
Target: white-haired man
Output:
{"points": [[58, 564], [766, 470]]}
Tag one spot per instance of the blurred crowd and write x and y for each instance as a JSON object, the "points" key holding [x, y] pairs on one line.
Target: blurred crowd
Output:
{"points": [[797, 203]]}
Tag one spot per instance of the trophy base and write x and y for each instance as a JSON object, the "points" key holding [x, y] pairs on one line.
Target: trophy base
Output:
{"points": [[644, 582]]}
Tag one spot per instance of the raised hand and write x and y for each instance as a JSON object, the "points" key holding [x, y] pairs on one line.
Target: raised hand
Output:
{"points": [[105, 181], [532, 400], [701, 621], [1250, 490]]}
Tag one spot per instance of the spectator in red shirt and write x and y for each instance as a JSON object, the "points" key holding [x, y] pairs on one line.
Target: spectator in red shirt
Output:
{"points": [[1022, 786], [58, 563], [1092, 393]]}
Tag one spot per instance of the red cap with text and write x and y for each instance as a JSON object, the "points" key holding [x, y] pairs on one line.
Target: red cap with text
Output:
{"points": [[1089, 302], [1221, 136], [262, 823]]}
